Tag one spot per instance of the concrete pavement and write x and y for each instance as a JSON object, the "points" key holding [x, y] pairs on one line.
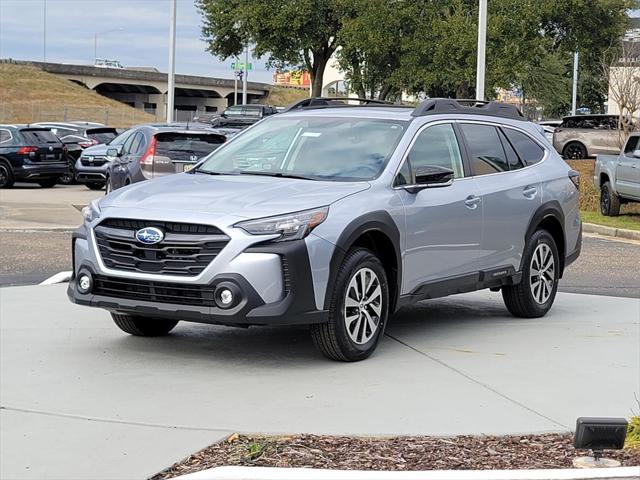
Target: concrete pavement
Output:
{"points": [[81, 399]]}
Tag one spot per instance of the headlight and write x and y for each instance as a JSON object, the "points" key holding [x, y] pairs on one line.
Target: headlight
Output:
{"points": [[91, 211], [292, 226]]}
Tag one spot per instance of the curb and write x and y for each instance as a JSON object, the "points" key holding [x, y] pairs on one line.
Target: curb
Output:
{"points": [[38, 230], [265, 473], [611, 231], [59, 277]]}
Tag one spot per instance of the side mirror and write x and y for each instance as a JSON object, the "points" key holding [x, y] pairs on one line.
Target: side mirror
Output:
{"points": [[434, 175], [636, 154], [113, 152]]}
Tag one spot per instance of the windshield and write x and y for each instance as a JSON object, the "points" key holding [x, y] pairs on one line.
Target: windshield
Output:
{"points": [[104, 135], [347, 149]]}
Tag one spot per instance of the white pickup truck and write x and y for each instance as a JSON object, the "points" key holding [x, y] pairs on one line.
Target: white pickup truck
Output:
{"points": [[618, 177]]}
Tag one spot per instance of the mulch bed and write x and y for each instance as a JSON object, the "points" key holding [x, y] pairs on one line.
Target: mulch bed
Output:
{"points": [[398, 453]]}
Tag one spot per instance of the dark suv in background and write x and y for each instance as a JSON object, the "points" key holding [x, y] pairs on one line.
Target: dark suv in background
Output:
{"points": [[150, 151], [30, 154], [243, 115]]}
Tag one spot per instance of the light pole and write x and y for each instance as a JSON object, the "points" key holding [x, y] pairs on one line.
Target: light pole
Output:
{"points": [[95, 41], [172, 63], [44, 31], [482, 44], [574, 92], [246, 74]]}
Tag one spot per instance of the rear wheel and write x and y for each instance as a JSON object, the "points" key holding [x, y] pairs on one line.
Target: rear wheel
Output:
{"points": [[574, 151], [609, 201], [358, 310], [143, 326], [48, 183], [95, 186], [6, 176], [534, 295]]}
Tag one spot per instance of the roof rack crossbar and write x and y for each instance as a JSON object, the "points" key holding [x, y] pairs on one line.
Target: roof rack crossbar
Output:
{"points": [[317, 102], [435, 106]]}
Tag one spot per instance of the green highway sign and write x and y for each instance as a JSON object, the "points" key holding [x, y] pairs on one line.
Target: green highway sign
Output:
{"points": [[240, 66]]}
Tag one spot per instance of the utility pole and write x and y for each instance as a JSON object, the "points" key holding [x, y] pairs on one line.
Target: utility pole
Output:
{"points": [[482, 46], [574, 93], [44, 32], [172, 63], [246, 74], [235, 82]]}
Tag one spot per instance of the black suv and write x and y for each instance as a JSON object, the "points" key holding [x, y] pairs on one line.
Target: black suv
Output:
{"points": [[243, 115], [30, 154]]}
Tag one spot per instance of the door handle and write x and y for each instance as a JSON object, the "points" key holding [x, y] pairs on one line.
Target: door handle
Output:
{"points": [[472, 202], [529, 191], [619, 164]]}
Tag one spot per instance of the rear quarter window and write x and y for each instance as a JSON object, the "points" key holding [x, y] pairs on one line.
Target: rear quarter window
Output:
{"points": [[5, 137], [528, 150]]}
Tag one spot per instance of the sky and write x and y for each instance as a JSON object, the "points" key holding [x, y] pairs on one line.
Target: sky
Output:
{"points": [[142, 41]]}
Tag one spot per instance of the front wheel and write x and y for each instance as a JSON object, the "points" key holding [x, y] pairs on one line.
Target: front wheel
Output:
{"points": [[108, 187], [143, 326], [534, 295], [358, 309], [609, 201]]}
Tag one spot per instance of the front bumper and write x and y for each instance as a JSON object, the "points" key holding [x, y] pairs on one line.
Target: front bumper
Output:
{"points": [[89, 174], [152, 298]]}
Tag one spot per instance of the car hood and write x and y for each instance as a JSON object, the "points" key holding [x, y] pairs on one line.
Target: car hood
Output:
{"points": [[100, 149], [245, 196]]}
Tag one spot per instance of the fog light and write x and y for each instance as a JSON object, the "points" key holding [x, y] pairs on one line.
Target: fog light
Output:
{"points": [[84, 283], [226, 296]]}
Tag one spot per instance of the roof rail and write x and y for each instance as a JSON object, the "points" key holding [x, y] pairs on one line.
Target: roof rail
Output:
{"points": [[435, 106], [319, 102]]}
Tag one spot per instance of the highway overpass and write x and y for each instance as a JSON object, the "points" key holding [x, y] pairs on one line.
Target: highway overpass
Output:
{"points": [[146, 89]]}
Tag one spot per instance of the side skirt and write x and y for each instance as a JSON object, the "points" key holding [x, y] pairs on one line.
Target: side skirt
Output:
{"points": [[469, 282]]}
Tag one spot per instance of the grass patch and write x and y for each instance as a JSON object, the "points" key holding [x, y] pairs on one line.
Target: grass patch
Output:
{"points": [[28, 94], [283, 96], [633, 433], [629, 221]]}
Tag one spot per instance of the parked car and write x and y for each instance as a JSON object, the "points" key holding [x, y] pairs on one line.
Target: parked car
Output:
{"points": [[30, 154], [152, 152], [335, 218], [77, 136], [584, 136], [242, 115], [618, 177], [91, 168], [549, 126]]}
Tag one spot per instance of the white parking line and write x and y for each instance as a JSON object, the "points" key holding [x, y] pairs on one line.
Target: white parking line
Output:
{"points": [[59, 277]]}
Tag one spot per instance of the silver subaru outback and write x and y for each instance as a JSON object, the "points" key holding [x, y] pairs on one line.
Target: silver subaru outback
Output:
{"points": [[336, 216]]}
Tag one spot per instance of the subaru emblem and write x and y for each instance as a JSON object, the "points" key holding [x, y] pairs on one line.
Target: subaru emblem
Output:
{"points": [[51, 149], [149, 235]]}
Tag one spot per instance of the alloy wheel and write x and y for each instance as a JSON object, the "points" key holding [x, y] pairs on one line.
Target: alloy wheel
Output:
{"points": [[4, 176], [363, 306], [574, 152], [542, 273]]}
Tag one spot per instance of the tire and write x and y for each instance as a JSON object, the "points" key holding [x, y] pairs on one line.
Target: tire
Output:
{"points": [[108, 187], [66, 179], [574, 151], [95, 186], [525, 299], [609, 201], [6, 176], [48, 183], [143, 326], [356, 340]]}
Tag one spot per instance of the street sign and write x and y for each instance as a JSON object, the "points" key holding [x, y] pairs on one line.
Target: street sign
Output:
{"points": [[240, 66]]}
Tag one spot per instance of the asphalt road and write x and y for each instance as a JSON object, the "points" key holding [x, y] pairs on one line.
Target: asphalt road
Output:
{"points": [[606, 267]]}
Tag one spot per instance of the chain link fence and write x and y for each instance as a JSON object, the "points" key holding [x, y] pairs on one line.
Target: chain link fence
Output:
{"points": [[116, 117]]}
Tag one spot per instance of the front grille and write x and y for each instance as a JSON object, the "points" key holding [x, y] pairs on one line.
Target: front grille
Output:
{"points": [[96, 162], [186, 249], [158, 292]]}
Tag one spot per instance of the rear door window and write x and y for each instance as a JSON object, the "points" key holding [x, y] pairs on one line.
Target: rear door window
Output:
{"points": [[186, 146], [485, 149], [39, 137], [528, 150]]}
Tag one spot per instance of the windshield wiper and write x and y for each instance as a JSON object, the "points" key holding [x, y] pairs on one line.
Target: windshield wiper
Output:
{"points": [[276, 174], [207, 172]]}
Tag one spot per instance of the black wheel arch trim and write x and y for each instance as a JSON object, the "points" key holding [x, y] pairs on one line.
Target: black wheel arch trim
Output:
{"points": [[377, 221], [550, 209]]}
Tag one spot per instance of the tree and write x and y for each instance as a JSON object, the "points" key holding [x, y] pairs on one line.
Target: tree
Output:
{"points": [[300, 33]]}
